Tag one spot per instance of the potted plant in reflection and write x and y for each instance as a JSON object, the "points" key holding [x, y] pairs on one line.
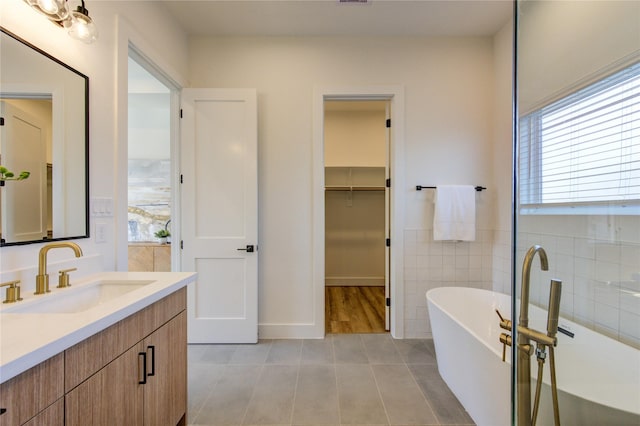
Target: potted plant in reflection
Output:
{"points": [[162, 235], [6, 174]]}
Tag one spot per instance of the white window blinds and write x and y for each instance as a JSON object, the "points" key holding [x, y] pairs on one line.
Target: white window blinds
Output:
{"points": [[584, 148]]}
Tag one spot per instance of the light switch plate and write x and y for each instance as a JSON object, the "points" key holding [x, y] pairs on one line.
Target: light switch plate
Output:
{"points": [[101, 207], [101, 233]]}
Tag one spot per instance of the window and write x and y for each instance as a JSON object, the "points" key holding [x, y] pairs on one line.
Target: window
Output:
{"points": [[584, 149]]}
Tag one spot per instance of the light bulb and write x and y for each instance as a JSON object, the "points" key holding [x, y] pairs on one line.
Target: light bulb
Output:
{"points": [[56, 10], [82, 26], [48, 6]]}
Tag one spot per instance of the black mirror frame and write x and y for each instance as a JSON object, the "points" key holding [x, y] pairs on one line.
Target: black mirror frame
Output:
{"points": [[3, 243]]}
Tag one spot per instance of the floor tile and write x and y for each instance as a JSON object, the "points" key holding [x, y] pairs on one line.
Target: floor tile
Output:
{"points": [[446, 406], [415, 351], [343, 379], [318, 351], [380, 349], [403, 401], [316, 400], [201, 380], [195, 352], [349, 349], [251, 354], [272, 401], [228, 401], [285, 352], [358, 395], [218, 354]]}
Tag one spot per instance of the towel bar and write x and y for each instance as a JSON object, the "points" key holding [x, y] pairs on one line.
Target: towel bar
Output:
{"points": [[420, 187]]}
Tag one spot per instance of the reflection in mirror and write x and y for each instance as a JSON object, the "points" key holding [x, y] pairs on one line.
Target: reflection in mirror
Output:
{"points": [[44, 110]]}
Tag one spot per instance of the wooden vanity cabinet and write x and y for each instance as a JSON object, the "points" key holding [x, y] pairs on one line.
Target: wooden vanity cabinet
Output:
{"points": [[132, 373], [148, 257], [144, 385], [29, 397], [112, 396], [53, 415], [165, 392]]}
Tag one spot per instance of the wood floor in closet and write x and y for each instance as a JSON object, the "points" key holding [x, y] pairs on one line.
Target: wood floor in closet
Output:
{"points": [[354, 309]]}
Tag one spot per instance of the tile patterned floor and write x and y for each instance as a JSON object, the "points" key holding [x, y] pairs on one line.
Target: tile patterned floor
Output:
{"points": [[355, 379]]}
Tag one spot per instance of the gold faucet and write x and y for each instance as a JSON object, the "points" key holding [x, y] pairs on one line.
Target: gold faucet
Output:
{"points": [[42, 279], [526, 335], [525, 350]]}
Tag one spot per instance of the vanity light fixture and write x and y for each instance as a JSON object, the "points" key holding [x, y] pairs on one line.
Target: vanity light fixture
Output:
{"points": [[78, 22]]}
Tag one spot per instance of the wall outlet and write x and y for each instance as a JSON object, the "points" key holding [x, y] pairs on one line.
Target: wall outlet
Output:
{"points": [[101, 233]]}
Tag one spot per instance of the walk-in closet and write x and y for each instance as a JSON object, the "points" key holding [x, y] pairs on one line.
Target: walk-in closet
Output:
{"points": [[356, 216]]}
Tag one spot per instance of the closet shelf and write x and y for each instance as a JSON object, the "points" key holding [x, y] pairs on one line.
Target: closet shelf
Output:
{"points": [[353, 188]]}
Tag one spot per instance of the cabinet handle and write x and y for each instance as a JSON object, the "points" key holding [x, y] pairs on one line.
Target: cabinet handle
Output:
{"points": [[153, 360], [2, 411], [144, 367]]}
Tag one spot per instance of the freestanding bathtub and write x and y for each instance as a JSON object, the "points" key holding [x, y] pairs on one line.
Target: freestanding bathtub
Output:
{"points": [[598, 377]]}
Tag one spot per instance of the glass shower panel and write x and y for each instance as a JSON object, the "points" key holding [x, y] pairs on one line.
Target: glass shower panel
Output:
{"points": [[577, 212]]}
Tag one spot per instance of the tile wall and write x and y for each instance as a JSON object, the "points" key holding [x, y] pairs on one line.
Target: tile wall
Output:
{"points": [[601, 276], [600, 282], [429, 264]]}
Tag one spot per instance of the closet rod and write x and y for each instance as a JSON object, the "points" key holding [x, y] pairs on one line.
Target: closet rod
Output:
{"points": [[420, 187], [354, 188]]}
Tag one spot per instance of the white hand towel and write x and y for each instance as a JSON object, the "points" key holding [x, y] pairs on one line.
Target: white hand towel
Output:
{"points": [[455, 213]]}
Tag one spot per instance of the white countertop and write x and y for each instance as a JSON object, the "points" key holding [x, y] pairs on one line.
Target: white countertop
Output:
{"points": [[27, 339]]}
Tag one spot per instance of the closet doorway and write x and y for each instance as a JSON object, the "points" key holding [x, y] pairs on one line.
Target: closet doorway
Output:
{"points": [[357, 198]]}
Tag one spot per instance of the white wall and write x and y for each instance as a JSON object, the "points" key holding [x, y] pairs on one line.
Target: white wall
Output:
{"points": [[448, 84], [562, 42], [99, 61], [355, 138], [502, 149]]}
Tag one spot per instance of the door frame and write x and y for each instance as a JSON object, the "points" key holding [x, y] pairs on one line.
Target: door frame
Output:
{"points": [[174, 149], [395, 96], [129, 38]]}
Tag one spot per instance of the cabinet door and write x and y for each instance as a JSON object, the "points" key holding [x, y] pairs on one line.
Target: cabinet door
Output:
{"points": [[52, 416], [162, 258], [112, 396], [29, 393], [165, 394], [140, 258]]}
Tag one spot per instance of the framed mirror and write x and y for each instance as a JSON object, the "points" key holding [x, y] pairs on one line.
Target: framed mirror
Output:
{"points": [[44, 130]]}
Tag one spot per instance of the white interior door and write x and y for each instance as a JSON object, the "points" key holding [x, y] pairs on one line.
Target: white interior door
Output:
{"points": [[23, 148], [220, 213]]}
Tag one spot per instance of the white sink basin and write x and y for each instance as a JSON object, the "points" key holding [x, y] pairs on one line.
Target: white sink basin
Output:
{"points": [[77, 299]]}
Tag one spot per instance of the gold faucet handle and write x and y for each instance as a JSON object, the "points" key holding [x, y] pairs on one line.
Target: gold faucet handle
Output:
{"points": [[13, 291], [504, 323], [63, 279], [505, 339]]}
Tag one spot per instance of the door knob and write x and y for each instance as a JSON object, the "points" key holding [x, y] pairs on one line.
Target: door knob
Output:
{"points": [[248, 249]]}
